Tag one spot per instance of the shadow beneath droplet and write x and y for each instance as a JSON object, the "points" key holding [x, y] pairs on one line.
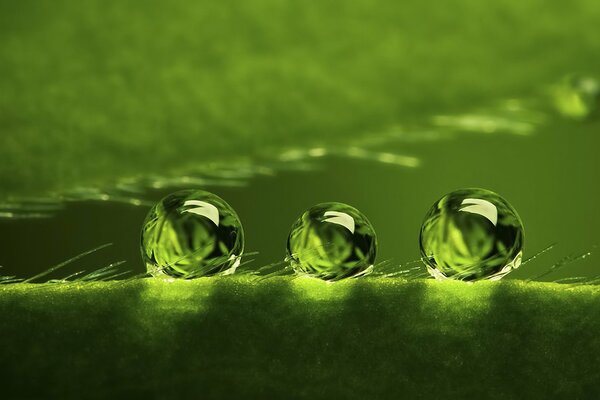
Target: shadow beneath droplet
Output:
{"points": [[539, 342], [231, 348], [375, 342]]}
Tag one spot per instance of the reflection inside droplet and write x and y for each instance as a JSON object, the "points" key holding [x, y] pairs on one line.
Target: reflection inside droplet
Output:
{"points": [[471, 234], [332, 241]]}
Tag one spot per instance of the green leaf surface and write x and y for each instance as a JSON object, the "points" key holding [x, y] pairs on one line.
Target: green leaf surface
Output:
{"points": [[239, 337]]}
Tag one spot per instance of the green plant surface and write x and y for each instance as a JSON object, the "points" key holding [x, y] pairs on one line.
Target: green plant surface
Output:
{"points": [[240, 337], [93, 93], [97, 92]]}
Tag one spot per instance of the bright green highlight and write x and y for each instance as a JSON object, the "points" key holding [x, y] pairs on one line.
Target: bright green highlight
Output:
{"points": [[192, 233], [577, 97], [471, 234], [332, 241]]}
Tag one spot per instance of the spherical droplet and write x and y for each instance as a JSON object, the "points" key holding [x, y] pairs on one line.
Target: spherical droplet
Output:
{"points": [[471, 234], [192, 233], [332, 241]]}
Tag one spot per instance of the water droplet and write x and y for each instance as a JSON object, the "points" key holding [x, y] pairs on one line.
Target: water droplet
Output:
{"points": [[577, 97], [192, 233], [332, 241], [471, 234]]}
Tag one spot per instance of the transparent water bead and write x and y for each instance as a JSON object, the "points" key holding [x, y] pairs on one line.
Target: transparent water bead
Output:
{"points": [[471, 234], [332, 241], [192, 233]]}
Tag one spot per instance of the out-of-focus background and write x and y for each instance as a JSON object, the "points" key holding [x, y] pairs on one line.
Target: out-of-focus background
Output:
{"points": [[275, 106]]}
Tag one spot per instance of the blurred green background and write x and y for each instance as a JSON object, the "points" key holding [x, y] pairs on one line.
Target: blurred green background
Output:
{"points": [[276, 106]]}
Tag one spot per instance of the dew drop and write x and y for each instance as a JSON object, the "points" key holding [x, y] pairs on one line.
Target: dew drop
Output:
{"points": [[471, 234], [192, 233], [332, 241]]}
